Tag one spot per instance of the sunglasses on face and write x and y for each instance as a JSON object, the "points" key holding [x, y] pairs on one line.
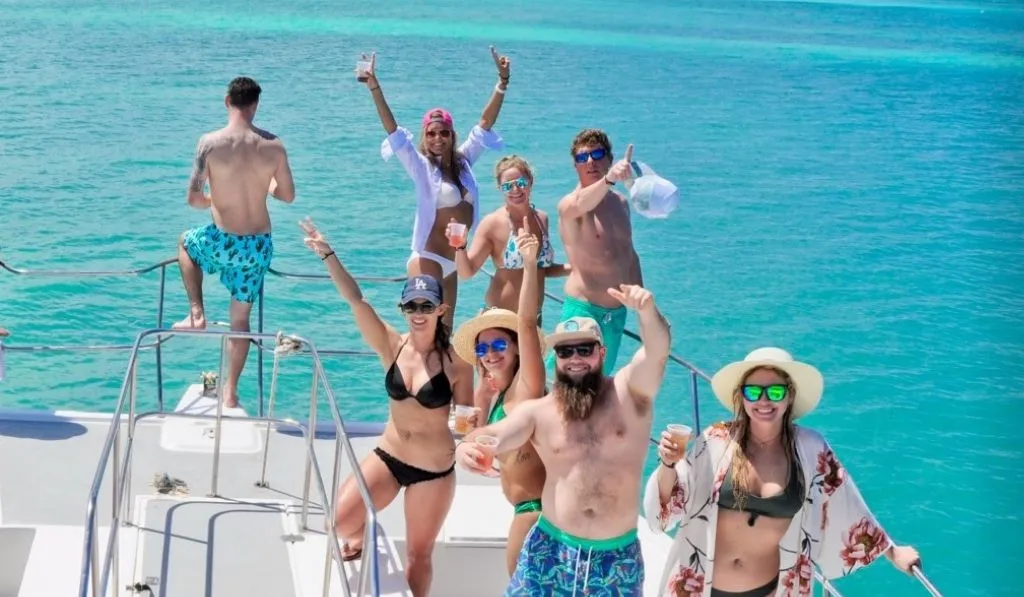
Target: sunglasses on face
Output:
{"points": [[775, 392], [498, 345], [597, 154], [414, 307], [519, 183], [584, 350], [444, 133]]}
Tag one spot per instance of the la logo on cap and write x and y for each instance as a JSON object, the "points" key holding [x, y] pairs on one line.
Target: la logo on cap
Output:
{"points": [[420, 284], [571, 326]]}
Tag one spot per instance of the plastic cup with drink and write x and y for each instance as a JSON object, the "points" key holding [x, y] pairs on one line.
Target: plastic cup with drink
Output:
{"points": [[456, 234], [362, 68], [487, 444], [462, 415], [680, 434]]}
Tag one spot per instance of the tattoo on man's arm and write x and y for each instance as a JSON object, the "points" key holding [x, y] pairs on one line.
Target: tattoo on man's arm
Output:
{"points": [[199, 168]]}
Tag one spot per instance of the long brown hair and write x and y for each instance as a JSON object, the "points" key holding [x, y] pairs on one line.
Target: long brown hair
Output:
{"points": [[741, 435]]}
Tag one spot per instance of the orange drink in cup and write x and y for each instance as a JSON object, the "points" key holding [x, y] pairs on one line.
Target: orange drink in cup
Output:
{"points": [[680, 434], [456, 234], [462, 414], [487, 445]]}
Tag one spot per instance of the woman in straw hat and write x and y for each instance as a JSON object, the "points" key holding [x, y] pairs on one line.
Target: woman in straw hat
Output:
{"points": [[508, 350], [760, 499]]}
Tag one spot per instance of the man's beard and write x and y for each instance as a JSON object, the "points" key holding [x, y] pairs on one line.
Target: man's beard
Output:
{"points": [[576, 399]]}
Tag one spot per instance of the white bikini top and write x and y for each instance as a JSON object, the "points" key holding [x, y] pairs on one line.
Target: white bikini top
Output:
{"points": [[449, 196]]}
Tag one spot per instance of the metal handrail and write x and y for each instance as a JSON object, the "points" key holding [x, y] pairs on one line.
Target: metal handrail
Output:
{"points": [[96, 577], [694, 372]]}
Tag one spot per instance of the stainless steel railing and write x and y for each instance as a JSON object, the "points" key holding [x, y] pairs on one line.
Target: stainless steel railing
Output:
{"points": [[693, 372], [96, 571]]}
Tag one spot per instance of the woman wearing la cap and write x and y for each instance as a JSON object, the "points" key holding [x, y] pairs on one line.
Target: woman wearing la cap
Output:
{"points": [[507, 348], [761, 499], [442, 173], [416, 450]]}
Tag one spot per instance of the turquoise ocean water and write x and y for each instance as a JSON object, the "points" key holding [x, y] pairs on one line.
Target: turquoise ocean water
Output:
{"points": [[852, 178]]}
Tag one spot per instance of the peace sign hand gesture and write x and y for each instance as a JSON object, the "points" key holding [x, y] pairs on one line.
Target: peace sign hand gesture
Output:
{"points": [[503, 64], [633, 297], [315, 239], [622, 170]]}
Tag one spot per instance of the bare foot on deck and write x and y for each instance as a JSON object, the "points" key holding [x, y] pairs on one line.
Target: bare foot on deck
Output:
{"points": [[230, 397], [192, 322]]}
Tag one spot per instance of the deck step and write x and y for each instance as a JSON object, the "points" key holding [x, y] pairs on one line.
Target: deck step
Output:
{"points": [[53, 562], [197, 435]]}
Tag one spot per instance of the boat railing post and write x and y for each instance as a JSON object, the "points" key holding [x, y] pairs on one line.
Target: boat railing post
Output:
{"points": [[116, 497], [95, 559], [920, 576], [160, 324], [270, 415], [696, 401], [131, 436], [332, 523], [220, 415], [259, 353], [310, 434]]}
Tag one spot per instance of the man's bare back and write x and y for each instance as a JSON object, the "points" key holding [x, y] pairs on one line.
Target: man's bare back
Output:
{"points": [[593, 466], [599, 245], [242, 162]]}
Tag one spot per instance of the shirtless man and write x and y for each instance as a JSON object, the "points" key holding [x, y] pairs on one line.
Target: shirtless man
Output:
{"points": [[591, 432], [241, 162], [594, 223]]}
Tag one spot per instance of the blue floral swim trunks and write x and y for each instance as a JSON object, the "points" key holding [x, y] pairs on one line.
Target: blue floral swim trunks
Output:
{"points": [[241, 260], [554, 563]]}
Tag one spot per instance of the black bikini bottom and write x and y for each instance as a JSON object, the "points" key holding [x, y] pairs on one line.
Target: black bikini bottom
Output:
{"points": [[762, 591], [406, 474]]}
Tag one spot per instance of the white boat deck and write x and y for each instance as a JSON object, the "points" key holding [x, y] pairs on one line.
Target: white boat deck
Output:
{"points": [[248, 541]]}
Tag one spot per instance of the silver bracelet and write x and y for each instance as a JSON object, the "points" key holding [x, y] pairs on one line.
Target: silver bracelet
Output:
{"points": [[498, 89]]}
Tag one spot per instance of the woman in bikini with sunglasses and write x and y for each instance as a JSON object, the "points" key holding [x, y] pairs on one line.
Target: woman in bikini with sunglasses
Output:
{"points": [[442, 173], [496, 239], [761, 500], [507, 346], [416, 450]]}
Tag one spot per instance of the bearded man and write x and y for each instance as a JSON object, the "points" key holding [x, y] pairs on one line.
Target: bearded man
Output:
{"points": [[592, 433]]}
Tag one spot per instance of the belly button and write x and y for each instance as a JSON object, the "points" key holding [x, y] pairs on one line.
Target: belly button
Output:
{"points": [[737, 563], [589, 513]]}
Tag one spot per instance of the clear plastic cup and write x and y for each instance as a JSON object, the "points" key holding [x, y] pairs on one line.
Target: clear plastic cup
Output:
{"points": [[487, 445], [680, 433], [456, 234], [462, 414], [362, 68]]}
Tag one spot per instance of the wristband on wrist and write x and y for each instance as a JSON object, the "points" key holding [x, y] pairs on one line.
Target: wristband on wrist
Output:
{"points": [[324, 258]]}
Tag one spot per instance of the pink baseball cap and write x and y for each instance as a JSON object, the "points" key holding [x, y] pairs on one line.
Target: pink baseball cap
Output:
{"points": [[438, 115]]}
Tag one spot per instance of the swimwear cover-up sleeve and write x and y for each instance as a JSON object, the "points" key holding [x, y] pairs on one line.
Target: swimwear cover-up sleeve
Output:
{"points": [[400, 143], [691, 492], [851, 537], [478, 140]]}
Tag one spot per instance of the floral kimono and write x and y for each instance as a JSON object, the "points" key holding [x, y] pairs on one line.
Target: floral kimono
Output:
{"points": [[834, 529]]}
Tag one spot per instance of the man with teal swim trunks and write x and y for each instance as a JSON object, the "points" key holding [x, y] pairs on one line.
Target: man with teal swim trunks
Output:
{"points": [[594, 223], [591, 432], [243, 164]]}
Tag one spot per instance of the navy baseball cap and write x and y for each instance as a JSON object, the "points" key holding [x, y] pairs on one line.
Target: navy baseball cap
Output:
{"points": [[422, 287]]}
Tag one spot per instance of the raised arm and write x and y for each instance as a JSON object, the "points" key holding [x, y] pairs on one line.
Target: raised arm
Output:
{"points": [[383, 110], [380, 336], [282, 186], [200, 174], [493, 107], [511, 432], [531, 363], [644, 374], [469, 261], [585, 199]]}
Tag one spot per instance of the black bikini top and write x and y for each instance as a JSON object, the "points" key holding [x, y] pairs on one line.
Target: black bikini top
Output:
{"points": [[436, 393], [783, 505]]}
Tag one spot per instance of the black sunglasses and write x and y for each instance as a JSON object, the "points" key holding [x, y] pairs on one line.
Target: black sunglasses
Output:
{"points": [[565, 351], [597, 154], [414, 307]]}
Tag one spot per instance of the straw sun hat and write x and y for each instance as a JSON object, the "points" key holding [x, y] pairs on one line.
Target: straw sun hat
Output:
{"points": [[807, 380], [464, 340]]}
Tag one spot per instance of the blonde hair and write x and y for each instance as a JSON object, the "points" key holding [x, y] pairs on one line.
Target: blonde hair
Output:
{"points": [[741, 435], [513, 161]]}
